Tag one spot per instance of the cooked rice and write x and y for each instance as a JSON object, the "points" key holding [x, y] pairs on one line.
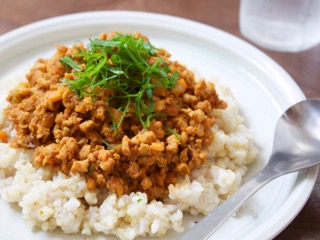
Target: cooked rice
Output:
{"points": [[51, 200]]}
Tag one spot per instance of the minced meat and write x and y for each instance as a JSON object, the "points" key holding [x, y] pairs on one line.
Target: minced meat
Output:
{"points": [[70, 134]]}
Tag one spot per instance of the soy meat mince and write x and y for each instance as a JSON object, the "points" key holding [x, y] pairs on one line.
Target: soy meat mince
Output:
{"points": [[113, 137], [118, 111]]}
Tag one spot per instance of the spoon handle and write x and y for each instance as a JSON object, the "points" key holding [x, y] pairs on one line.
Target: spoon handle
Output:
{"points": [[208, 225]]}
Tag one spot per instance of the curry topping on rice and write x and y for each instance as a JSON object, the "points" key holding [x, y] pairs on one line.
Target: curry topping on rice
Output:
{"points": [[119, 111]]}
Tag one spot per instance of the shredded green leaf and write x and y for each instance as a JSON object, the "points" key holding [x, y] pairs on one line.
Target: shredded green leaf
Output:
{"points": [[173, 132], [108, 145], [68, 61], [121, 65], [91, 168]]}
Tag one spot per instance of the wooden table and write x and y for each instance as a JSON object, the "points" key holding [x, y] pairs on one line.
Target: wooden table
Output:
{"points": [[304, 67]]}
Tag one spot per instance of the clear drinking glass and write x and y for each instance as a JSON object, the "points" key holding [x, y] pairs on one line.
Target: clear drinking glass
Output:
{"points": [[281, 25]]}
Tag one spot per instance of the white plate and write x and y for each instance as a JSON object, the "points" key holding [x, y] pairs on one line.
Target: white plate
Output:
{"points": [[262, 88]]}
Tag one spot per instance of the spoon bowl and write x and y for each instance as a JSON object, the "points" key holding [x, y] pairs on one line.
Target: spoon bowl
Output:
{"points": [[296, 146], [296, 143]]}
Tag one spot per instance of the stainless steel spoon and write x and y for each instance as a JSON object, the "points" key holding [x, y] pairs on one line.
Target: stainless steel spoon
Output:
{"points": [[296, 146]]}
